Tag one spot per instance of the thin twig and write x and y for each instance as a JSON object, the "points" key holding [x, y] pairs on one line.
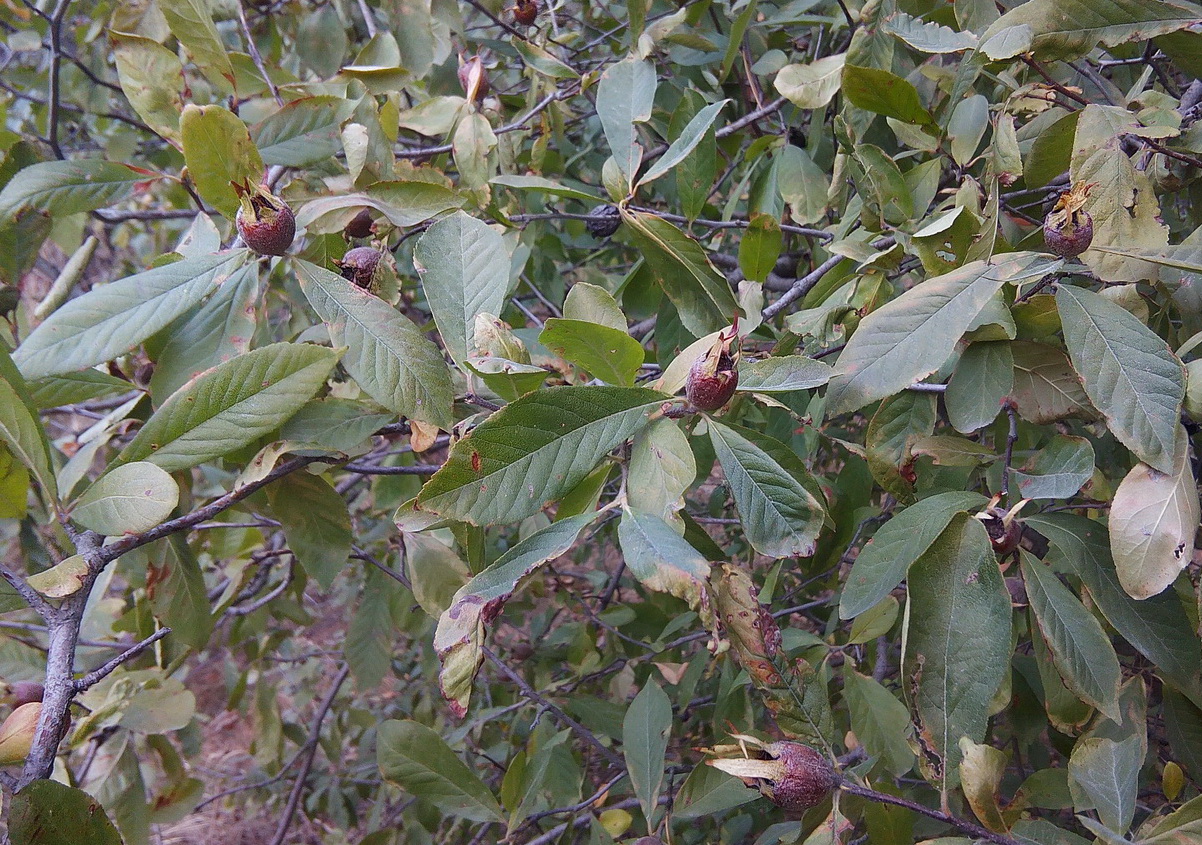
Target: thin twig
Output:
{"points": [[56, 61], [975, 830], [309, 753], [257, 57], [528, 692], [1011, 439], [97, 675]]}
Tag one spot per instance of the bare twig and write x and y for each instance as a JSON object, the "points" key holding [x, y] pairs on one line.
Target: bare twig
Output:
{"points": [[308, 754], [96, 675], [56, 61], [975, 830], [1011, 439], [257, 57]]}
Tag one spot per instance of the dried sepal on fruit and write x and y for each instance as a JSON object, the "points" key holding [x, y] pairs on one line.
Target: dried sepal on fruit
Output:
{"points": [[714, 376], [1068, 229], [791, 775], [265, 222], [1007, 533]]}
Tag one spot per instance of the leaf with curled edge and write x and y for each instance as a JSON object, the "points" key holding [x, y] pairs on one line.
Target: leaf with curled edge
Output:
{"points": [[459, 639], [791, 689]]}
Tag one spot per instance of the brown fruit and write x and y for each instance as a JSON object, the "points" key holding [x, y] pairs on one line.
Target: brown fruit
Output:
{"points": [[791, 775], [525, 11], [1004, 530], [265, 222], [360, 225], [714, 376], [473, 78], [24, 692], [1068, 229], [361, 266], [603, 221]]}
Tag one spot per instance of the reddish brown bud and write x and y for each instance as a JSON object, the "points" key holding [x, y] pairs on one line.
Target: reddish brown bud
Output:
{"points": [[265, 222], [17, 732], [713, 377], [473, 78]]}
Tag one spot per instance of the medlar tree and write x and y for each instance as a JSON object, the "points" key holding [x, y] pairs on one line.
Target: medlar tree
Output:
{"points": [[553, 422]]}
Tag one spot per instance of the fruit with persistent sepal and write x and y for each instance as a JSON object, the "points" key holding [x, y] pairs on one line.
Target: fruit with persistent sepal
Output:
{"points": [[361, 266], [791, 775], [1068, 230], [714, 376], [265, 222]]}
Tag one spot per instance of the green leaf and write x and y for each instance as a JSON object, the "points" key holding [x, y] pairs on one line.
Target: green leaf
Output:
{"points": [[772, 489], [435, 572], [608, 354], [340, 425], [1046, 387], [465, 271], [884, 560], [957, 643], [386, 354], [534, 450], [59, 188], [645, 732], [191, 21], [1059, 470], [1080, 649], [700, 293], [1066, 29], [218, 151], [760, 246], [881, 92], [913, 335], [303, 132], [783, 374], [1153, 519], [625, 95], [112, 319], [177, 591], [64, 579], [47, 812], [661, 468], [542, 185], [1128, 371], [707, 792], [21, 430], [230, 406], [660, 558], [1126, 214], [70, 388], [130, 499], [1156, 626], [542, 61], [1180, 827], [880, 722], [315, 523], [1106, 774], [685, 143], [403, 204], [152, 79], [1183, 726], [212, 332], [813, 85], [416, 759], [370, 636], [928, 36], [696, 173], [14, 498], [984, 376], [459, 639]]}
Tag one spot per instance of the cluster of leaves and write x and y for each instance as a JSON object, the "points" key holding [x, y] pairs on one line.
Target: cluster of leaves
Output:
{"points": [[542, 580]]}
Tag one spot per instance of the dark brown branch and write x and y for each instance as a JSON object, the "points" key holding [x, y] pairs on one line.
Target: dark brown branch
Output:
{"points": [[964, 825], [308, 754]]}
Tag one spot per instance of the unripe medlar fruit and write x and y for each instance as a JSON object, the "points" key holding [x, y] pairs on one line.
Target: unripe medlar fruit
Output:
{"points": [[360, 265], [265, 222], [603, 221], [1068, 229], [791, 775], [360, 225], [525, 11], [714, 376]]}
